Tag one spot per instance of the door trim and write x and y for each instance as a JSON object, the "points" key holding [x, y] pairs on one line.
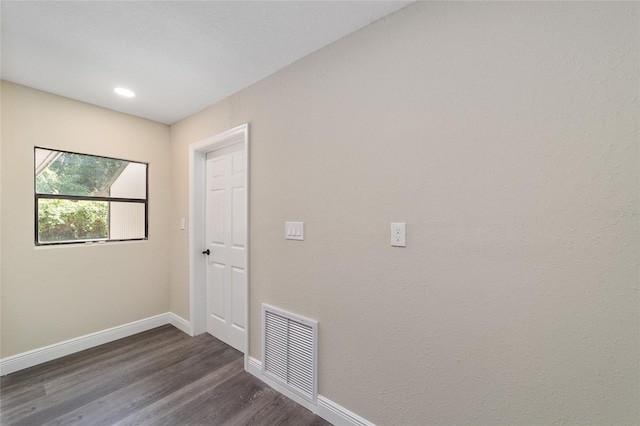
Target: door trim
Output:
{"points": [[197, 169]]}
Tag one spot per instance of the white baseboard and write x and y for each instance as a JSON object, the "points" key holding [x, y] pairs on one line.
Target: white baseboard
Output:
{"points": [[325, 408], [180, 323], [28, 359], [338, 415]]}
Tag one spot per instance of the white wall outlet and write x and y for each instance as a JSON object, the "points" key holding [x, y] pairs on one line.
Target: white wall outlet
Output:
{"points": [[294, 230], [398, 234]]}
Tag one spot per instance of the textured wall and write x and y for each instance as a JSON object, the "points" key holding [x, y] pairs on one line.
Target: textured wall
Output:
{"points": [[51, 294], [506, 136]]}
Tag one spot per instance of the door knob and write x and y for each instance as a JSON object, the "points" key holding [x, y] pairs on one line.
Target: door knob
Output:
{"points": [[207, 252]]}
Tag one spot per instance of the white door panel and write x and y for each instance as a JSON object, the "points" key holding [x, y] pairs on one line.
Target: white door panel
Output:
{"points": [[226, 237]]}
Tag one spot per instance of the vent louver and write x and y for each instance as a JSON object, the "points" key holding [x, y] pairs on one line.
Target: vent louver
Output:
{"points": [[290, 351]]}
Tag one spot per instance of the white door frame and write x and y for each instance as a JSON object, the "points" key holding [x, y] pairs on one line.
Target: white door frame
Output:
{"points": [[197, 262]]}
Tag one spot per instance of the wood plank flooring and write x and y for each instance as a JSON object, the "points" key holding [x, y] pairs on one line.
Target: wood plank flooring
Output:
{"points": [[159, 377]]}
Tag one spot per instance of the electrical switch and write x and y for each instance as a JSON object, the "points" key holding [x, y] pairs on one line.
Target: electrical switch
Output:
{"points": [[294, 230]]}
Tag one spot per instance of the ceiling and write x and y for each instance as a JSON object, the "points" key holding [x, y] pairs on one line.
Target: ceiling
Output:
{"points": [[177, 56]]}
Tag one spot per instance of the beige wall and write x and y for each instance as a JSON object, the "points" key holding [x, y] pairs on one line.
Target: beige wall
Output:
{"points": [[57, 293], [506, 136]]}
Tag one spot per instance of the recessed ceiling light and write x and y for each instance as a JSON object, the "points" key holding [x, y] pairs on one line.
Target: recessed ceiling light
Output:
{"points": [[124, 92]]}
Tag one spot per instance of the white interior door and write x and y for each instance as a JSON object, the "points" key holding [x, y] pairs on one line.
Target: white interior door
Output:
{"points": [[226, 237]]}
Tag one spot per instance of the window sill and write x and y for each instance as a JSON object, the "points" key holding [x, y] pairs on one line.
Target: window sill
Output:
{"points": [[87, 244]]}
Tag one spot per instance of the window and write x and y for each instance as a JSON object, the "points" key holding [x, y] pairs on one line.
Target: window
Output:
{"points": [[81, 198]]}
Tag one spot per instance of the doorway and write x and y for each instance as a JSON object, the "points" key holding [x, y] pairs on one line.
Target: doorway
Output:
{"points": [[219, 283]]}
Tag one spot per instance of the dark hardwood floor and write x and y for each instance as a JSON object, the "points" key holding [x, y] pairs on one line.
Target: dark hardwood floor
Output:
{"points": [[159, 377]]}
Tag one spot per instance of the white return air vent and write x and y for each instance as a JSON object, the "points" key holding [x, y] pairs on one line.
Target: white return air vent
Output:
{"points": [[290, 351]]}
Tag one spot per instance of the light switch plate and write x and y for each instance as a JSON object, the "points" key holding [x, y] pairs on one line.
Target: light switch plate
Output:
{"points": [[398, 234], [294, 230]]}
